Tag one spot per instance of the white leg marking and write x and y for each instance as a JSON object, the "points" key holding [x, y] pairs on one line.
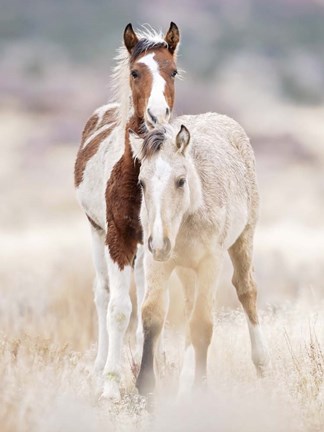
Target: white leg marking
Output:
{"points": [[187, 375], [101, 297], [140, 291], [259, 349], [119, 310]]}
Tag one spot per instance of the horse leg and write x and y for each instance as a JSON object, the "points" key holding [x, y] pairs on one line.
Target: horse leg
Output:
{"points": [[244, 282], [201, 323], [101, 296], [188, 281], [140, 290], [119, 311], [154, 311]]}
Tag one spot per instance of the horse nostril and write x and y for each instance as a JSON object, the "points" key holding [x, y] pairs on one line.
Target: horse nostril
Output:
{"points": [[166, 245], [167, 111], [149, 243], [153, 118]]}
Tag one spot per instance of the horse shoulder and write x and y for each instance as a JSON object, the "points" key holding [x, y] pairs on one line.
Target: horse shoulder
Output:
{"points": [[98, 127], [243, 197], [224, 159]]}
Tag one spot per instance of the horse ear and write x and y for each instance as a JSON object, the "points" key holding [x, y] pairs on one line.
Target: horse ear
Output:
{"points": [[172, 37], [136, 143], [183, 139], [130, 38]]}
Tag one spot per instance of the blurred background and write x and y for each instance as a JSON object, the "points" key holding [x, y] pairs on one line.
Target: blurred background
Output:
{"points": [[260, 62]]}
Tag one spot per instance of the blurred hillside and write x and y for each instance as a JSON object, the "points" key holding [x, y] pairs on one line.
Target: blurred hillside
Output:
{"points": [[37, 37]]}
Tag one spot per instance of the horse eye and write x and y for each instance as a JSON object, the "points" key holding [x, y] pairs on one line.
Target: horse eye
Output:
{"points": [[142, 184], [180, 182], [174, 73], [134, 74]]}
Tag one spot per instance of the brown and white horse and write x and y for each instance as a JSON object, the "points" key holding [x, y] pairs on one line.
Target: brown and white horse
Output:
{"points": [[106, 180], [200, 200]]}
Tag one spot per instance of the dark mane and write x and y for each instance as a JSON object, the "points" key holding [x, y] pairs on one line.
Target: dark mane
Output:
{"points": [[144, 45], [153, 142]]}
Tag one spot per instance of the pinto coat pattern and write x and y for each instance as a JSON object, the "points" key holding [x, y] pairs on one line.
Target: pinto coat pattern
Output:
{"points": [[106, 181]]}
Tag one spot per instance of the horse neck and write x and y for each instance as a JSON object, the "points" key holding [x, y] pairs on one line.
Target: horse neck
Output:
{"points": [[135, 124], [195, 186]]}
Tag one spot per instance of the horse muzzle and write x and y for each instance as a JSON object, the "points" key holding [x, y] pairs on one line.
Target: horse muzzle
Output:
{"points": [[160, 254], [156, 118]]}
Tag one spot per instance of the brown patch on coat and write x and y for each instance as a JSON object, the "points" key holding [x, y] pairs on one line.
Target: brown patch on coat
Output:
{"points": [[108, 117], [87, 152], [89, 128], [123, 202]]}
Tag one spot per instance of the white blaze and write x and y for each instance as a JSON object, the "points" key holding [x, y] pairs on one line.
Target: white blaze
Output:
{"points": [[157, 103], [160, 180]]}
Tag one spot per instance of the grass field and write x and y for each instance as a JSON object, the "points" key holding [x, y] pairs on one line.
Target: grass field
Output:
{"points": [[48, 322], [47, 350]]}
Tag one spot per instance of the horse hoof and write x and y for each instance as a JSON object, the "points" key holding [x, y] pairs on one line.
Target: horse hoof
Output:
{"points": [[263, 370], [111, 392], [263, 366], [145, 384]]}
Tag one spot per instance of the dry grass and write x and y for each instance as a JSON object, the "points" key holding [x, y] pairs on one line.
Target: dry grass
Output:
{"points": [[48, 323], [47, 351]]}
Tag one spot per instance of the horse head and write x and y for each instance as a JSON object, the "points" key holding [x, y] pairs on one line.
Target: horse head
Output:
{"points": [[170, 186], [152, 71]]}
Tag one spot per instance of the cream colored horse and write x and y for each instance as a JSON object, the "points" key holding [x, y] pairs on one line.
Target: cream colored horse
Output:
{"points": [[200, 200]]}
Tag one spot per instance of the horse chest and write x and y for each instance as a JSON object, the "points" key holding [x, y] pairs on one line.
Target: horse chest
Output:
{"points": [[189, 250]]}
